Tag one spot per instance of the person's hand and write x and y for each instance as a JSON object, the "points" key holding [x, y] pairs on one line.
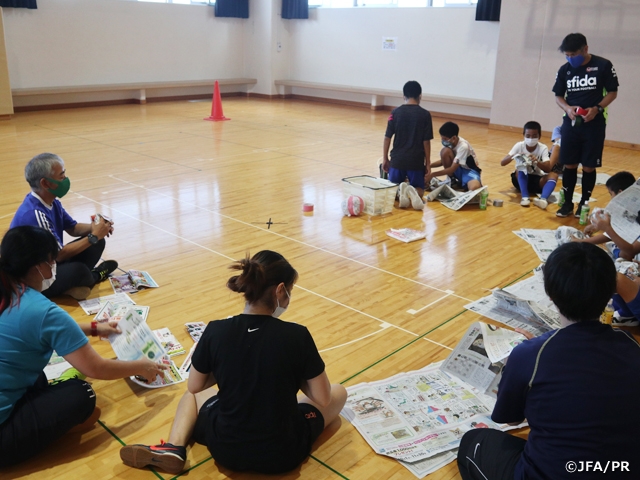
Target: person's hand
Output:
{"points": [[602, 221], [101, 229], [593, 111], [108, 328], [590, 230], [427, 178], [146, 370], [576, 239], [571, 112], [386, 164], [529, 335]]}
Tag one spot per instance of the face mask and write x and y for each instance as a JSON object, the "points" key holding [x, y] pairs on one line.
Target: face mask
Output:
{"points": [[531, 142], [47, 282], [62, 188], [575, 61], [280, 310], [447, 144]]}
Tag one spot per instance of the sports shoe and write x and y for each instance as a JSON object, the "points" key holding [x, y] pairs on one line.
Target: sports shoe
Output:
{"points": [[166, 456], [79, 293], [403, 199], [541, 203], [620, 321], [103, 270], [579, 209], [565, 210], [525, 202], [416, 201]]}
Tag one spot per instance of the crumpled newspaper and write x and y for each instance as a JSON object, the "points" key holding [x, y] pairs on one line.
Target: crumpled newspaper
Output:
{"points": [[596, 215], [523, 162], [625, 267], [564, 234]]}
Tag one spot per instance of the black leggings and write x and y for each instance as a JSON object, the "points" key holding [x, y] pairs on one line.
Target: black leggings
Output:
{"points": [[76, 272], [43, 415]]}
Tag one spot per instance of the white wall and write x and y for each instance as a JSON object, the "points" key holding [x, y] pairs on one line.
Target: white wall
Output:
{"points": [[528, 59], [86, 42], [444, 49]]}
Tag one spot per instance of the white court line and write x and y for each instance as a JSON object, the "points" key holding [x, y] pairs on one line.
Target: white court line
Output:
{"points": [[439, 344], [7, 215], [413, 312], [291, 239], [383, 327], [384, 324]]}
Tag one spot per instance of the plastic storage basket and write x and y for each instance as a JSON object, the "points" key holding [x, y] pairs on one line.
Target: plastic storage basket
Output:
{"points": [[378, 194]]}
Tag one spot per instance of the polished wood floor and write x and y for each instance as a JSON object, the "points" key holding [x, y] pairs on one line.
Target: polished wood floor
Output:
{"points": [[189, 196]]}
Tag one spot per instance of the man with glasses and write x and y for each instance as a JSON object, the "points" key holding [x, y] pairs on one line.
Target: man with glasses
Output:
{"points": [[585, 86]]}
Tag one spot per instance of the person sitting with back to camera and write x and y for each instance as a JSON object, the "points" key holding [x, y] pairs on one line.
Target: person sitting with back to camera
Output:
{"points": [[34, 414], [570, 384], [411, 129], [253, 420], [77, 272], [533, 173], [457, 159]]}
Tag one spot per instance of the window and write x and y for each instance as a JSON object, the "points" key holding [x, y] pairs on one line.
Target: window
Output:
{"points": [[391, 3]]}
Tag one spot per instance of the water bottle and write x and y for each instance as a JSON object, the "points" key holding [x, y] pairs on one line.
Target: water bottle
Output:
{"points": [[484, 195], [561, 197], [584, 214]]}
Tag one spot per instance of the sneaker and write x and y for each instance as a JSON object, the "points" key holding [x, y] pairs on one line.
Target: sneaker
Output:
{"points": [[403, 199], [165, 456], [579, 209], [541, 203], [565, 210], [620, 321], [416, 201], [79, 293], [525, 202], [105, 269]]}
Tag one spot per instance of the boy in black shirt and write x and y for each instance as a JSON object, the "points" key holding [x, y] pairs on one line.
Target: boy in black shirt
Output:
{"points": [[589, 83], [411, 127]]}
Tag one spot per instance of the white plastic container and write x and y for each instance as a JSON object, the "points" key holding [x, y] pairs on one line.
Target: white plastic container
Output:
{"points": [[378, 194]]}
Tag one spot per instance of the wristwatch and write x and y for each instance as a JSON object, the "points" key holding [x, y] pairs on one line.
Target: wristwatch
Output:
{"points": [[92, 239], [600, 108]]}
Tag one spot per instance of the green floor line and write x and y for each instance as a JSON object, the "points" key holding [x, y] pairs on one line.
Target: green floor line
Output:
{"points": [[402, 347], [111, 433], [423, 335], [327, 466], [193, 467]]}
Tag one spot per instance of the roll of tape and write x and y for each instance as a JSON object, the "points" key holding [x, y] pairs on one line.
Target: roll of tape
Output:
{"points": [[498, 203], [307, 207]]}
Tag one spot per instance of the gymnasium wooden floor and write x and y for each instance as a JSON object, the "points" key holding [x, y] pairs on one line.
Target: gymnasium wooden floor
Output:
{"points": [[190, 196]]}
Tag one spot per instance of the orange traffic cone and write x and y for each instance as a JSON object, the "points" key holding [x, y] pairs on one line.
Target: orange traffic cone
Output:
{"points": [[216, 107]]}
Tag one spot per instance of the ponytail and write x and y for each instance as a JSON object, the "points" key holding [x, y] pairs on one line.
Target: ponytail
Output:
{"points": [[264, 270]]}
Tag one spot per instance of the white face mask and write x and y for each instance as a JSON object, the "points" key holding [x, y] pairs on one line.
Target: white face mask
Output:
{"points": [[47, 282], [531, 142], [280, 310]]}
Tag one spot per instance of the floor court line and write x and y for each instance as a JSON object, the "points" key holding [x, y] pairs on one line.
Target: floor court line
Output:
{"points": [[448, 292], [233, 260]]}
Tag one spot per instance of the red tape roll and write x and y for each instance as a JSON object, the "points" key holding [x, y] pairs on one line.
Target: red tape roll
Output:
{"points": [[307, 207]]}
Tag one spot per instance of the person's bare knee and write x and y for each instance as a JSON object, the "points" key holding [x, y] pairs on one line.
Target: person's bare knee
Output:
{"points": [[446, 157], [588, 169], [473, 185]]}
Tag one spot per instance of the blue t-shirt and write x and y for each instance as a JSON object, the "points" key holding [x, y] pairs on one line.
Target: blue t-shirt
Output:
{"points": [[581, 400], [35, 212], [29, 333]]}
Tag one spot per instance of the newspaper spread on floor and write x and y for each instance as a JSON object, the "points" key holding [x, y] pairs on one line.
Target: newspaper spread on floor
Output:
{"points": [[523, 305], [624, 209], [419, 417], [452, 199]]}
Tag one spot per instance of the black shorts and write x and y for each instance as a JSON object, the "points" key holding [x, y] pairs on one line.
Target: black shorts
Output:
{"points": [[583, 144], [251, 455], [488, 453], [533, 183], [43, 415]]}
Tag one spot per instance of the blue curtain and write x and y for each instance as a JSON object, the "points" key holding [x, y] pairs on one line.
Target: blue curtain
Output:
{"points": [[488, 10], [18, 3], [232, 8], [295, 8]]}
